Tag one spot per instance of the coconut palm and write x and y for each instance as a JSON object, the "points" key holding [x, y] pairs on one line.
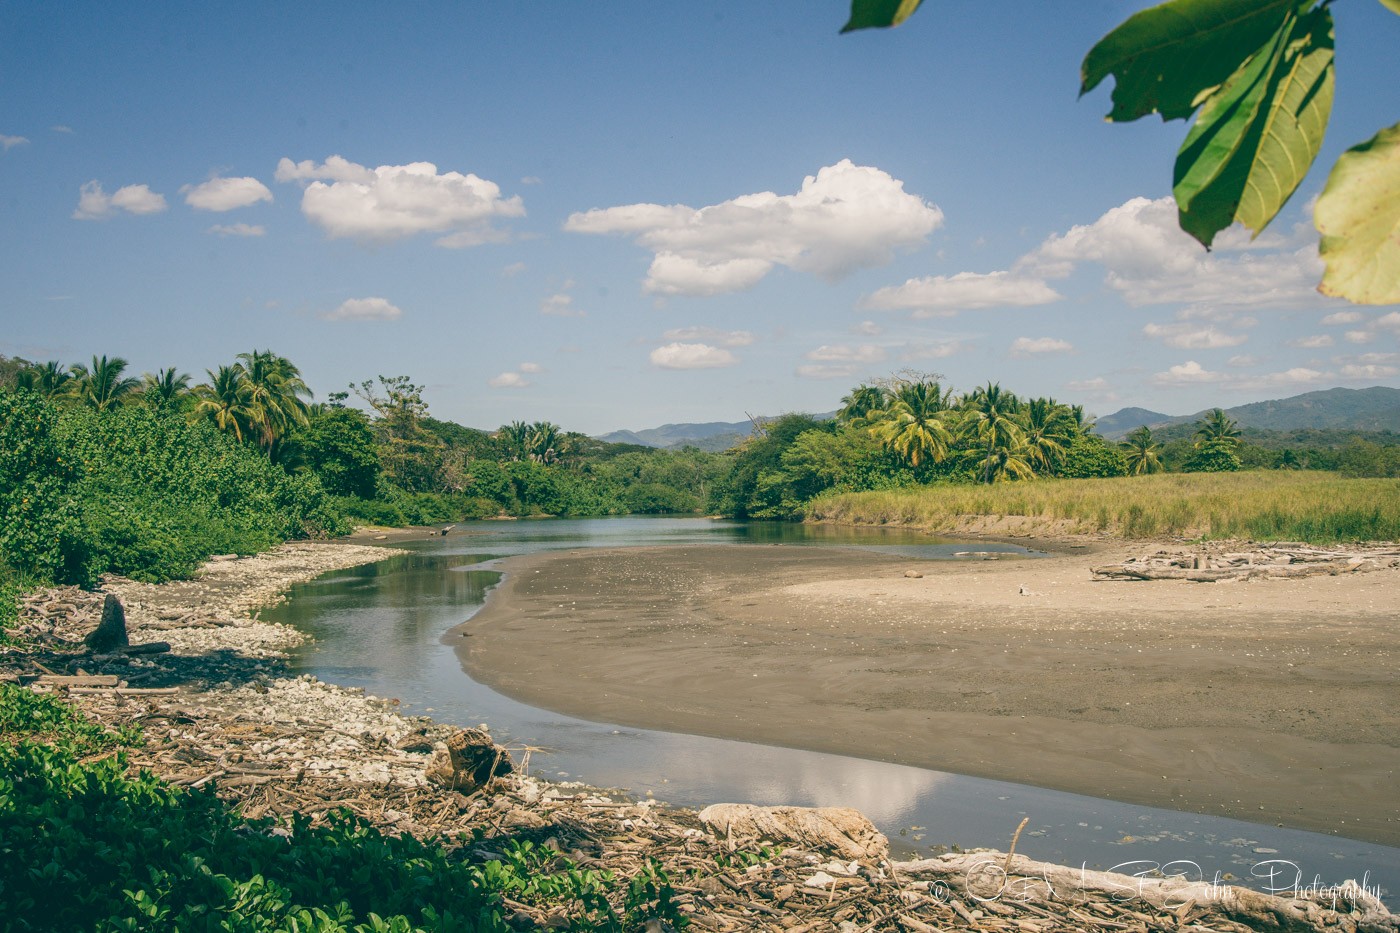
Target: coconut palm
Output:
{"points": [[990, 418], [227, 400], [515, 438], [861, 405], [913, 423], [1013, 461], [49, 379], [162, 389], [103, 386], [277, 391], [543, 441], [1049, 428], [1141, 452], [1217, 426]]}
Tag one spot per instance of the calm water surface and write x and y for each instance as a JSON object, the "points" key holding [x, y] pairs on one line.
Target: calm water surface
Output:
{"points": [[381, 627]]}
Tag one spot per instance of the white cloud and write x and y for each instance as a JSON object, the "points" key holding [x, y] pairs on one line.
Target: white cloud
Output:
{"points": [[513, 269], [508, 381], [531, 368], [724, 338], [844, 218], [965, 291], [365, 309], [1298, 376], [1359, 336], [96, 204], [692, 356], [1369, 371], [868, 329], [560, 304], [826, 371], [1312, 342], [1243, 361], [225, 194], [1389, 321], [1344, 317], [9, 142], [1186, 336], [238, 229], [1027, 346], [351, 201], [60, 128], [1097, 384], [1187, 373], [840, 353], [1149, 260], [530, 180]]}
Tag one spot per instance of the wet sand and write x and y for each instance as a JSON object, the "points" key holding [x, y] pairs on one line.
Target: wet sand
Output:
{"points": [[1273, 701]]}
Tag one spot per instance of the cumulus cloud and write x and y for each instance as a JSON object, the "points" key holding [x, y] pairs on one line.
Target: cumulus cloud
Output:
{"points": [[1187, 336], [1298, 376], [60, 128], [826, 370], [1344, 317], [1028, 346], [560, 304], [390, 202], [1243, 361], [365, 309], [868, 329], [1097, 384], [1192, 373], [1311, 342], [238, 229], [1389, 321], [225, 194], [513, 269], [840, 353], [692, 356], [96, 204], [1149, 260], [723, 338], [531, 368], [1359, 336], [938, 350], [9, 142], [846, 217], [1369, 371], [1187, 373], [510, 380], [966, 291]]}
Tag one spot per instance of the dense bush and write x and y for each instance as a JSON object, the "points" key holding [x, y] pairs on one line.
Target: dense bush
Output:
{"points": [[85, 844], [1089, 456]]}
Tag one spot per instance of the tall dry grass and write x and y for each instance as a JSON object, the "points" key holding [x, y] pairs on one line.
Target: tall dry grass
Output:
{"points": [[1262, 505]]}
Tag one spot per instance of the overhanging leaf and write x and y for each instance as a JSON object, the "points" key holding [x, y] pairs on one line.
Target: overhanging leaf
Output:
{"points": [[1257, 136], [874, 13], [1358, 216], [1165, 58], [1391, 5]]}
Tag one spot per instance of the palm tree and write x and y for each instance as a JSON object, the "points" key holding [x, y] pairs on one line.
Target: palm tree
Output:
{"points": [[990, 416], [1217, 426], [277, 391], [49, 379], [1050, 427], [516, 439], [861, 405], [1141, 452], [163, 389], [226, 400], [1009, 462], [103, 386], [542, 442], [913, 423]]}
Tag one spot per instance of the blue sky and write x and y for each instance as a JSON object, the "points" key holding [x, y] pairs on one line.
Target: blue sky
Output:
{"points": [[600, 214]]}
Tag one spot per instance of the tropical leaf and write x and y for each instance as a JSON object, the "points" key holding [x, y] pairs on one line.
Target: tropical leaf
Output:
{"points": [[1167, 58], [1391, 5], [1358, 216], [1259, 133], [874, 13]]}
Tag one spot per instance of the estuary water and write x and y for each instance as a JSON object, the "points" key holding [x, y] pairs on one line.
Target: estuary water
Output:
{"points": [[382, 627]]}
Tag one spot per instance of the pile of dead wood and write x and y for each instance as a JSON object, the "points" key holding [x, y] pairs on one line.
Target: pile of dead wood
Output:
{"points": [[1225, 562]]}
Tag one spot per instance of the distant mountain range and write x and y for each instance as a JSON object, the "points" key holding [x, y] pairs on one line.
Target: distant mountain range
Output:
{"points": [[1373, 409]]}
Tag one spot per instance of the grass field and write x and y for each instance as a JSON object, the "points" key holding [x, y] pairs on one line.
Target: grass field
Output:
{"points": [[1264, 505]]}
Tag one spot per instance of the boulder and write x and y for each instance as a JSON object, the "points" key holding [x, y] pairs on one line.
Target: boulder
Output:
{"points": [[467, 761], [841, 830], [110, 634]]}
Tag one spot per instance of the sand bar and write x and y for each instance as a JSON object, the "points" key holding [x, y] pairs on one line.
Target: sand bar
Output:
{"points": [[1273, 701]]}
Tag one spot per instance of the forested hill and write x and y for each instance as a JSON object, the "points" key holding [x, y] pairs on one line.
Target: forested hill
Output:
{"points": [[1373, 409]]}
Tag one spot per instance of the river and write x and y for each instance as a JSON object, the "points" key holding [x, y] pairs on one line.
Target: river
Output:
{"points": [[381, 627]]}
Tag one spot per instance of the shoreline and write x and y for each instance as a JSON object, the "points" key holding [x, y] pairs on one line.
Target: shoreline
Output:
{"points": [[1268, 701], [219, 710]]}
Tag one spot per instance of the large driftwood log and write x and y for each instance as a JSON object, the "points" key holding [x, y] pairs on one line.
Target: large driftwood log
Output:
{"points": [[990, 877], [835, 829], [1210, 564]]}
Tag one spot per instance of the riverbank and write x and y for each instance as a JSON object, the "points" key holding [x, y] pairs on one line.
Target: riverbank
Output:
{"points": [[1270, 701], [206, 683]]}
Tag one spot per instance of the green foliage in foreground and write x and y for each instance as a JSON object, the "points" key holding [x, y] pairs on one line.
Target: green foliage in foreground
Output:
{"points": [[1258, 78], [1276, 505], [87, 845]]}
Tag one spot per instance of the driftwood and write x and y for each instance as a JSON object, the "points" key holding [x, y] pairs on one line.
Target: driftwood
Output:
{"points": [[1212, 563], [838, 829]]}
